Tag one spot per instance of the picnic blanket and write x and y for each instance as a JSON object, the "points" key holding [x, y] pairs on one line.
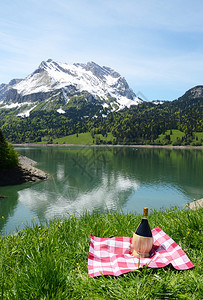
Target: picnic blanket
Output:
{"points": [[113, 256]]}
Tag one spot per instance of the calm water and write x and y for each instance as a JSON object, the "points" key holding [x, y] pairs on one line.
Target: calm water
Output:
{"points": [[101, 178]]}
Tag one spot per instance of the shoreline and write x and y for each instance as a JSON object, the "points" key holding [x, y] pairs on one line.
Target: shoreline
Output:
{"points": [[109, 146], [23, 173]]}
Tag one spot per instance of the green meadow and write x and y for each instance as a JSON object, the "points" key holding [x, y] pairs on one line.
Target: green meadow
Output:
{"points": [[174, 137], [170, 137], [50, 261], [84, 139]]}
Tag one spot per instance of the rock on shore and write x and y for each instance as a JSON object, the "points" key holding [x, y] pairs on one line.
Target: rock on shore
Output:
{"points": [[196, 204], [24, 172]]}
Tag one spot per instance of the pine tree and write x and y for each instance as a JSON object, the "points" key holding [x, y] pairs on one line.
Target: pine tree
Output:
{"points": [[8, 156]]}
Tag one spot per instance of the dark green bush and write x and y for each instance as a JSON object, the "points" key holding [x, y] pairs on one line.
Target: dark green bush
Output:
{"points": [[8, 156]]}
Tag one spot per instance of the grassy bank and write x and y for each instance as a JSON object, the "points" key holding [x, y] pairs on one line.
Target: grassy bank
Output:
{"points": [[170, 137], [50, 262], [85, 139]]}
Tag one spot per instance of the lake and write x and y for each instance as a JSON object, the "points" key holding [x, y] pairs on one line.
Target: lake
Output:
{"points": [[87, 179]]}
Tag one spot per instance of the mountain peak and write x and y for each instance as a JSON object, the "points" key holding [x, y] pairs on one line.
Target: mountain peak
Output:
{"points": [[195, 92], [102, 82], [45, 64]]}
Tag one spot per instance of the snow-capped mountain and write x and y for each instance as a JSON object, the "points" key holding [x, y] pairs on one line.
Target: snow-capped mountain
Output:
{"points": [[53, 81]]}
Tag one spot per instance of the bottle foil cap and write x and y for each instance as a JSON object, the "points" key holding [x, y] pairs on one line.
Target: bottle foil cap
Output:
{"points": [[145, 213]]}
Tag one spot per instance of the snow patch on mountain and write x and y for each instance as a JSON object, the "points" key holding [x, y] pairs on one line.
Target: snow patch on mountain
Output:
{"points": [[12, 105], [61, 111], [157, 102], [26, 112]]}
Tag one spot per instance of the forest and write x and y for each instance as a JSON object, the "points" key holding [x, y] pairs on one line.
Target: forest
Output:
{"points": [[139, 124]]}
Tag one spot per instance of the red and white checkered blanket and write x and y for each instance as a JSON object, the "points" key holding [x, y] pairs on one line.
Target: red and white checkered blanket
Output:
{"points": [[113, 256]]}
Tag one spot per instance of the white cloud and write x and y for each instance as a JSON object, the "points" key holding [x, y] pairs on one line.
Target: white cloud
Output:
{"points": [[70, 201], [145, 41]]}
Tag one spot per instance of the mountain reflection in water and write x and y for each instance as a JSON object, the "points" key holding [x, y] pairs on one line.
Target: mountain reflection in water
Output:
{"points": [[85, 179], [66, 198]]}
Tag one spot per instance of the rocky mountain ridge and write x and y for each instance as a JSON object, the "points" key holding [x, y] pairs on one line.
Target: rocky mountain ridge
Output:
{"points": [[58, 82], [194, 93]]}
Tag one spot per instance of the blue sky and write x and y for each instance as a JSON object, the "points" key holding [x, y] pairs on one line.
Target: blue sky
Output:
{"points": [[157, 45]]}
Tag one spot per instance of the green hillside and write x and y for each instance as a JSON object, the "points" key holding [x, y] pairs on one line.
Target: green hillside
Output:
{"points": [[178, 122], [175, 137], [87, 139], [84, 139]]}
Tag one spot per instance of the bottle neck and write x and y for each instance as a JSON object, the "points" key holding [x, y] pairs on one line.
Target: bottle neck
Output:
{"points": [[145, 212]]}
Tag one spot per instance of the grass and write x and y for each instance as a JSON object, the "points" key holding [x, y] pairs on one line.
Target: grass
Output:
{"points": [[173, 137], [86, 138], [50, 262], [83, 138], [199, 135], [177, 134]]}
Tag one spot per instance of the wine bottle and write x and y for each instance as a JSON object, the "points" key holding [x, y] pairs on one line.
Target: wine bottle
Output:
{"points": [[142, 241]]}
